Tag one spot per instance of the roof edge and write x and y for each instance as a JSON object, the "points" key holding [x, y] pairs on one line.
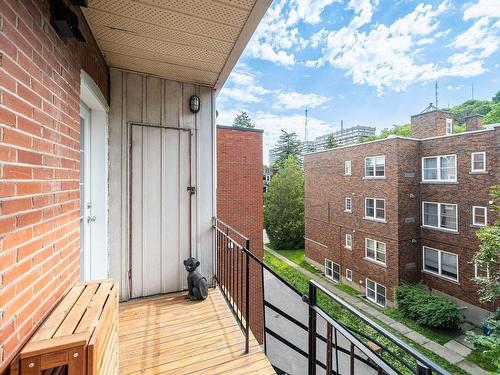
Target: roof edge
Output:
{"points": [[253, 20], [240, 128]]}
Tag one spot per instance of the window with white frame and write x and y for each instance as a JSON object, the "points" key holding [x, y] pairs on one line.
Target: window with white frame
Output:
{"points": [[479, 216], [348, 204], [481, 273], [348, 241], [375, 208], [375, 166], [348, 274], [449, 126], [375, 292], [375, 250], [478, 162], [332, 270], [440, 263], [347, 167], [439, 168], [440, 215]]}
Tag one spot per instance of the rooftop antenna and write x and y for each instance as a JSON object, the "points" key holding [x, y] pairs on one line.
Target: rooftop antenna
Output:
{"points": [[305, 129], [436, 93]]}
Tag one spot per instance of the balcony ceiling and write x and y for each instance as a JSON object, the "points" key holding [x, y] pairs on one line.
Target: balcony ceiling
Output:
{"points": [[196, 41]]}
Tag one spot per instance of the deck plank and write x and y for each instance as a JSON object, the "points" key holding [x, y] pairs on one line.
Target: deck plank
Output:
{"points": [[171, 335]]}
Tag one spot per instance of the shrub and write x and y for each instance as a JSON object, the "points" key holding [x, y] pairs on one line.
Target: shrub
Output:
{"points": [[425, 308], [284, 209]]}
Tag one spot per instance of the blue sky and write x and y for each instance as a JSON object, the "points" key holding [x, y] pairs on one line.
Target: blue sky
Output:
{"points": [[367, 62]]}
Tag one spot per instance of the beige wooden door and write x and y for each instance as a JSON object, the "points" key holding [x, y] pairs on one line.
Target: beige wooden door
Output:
{"points": [[160, 209]]}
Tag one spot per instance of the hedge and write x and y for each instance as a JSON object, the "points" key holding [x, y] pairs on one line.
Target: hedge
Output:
{"points": [[426, 308]]}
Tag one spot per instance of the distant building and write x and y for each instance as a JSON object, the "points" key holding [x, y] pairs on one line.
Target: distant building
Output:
{"points": [[344, 137], [273, 156], [405, 209], [267, 175]]}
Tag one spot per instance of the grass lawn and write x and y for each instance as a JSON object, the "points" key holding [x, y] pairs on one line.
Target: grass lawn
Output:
{"points": [[483, 361], [301, 283], [297, 257], [347, 289]]}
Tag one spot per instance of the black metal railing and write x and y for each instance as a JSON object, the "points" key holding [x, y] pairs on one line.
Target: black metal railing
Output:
{"points": [[336, 346]]}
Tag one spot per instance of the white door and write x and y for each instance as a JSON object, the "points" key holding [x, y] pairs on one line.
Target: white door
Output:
{"points": [[160, 209], [85, 212], [93, 256]]}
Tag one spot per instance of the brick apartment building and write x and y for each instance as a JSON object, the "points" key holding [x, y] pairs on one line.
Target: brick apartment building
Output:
{"points": [[404, 209], [240, 196]]}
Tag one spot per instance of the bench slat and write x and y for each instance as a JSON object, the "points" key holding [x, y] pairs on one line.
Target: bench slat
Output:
{"points": [[74, 316]]}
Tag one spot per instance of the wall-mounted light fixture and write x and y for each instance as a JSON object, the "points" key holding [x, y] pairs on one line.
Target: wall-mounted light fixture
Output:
{"points": [[64, 21], [194, 104]]}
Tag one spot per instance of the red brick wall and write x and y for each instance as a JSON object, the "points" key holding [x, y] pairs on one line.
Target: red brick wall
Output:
{"points": [[239, 200], [326, 222], [39, 164]]}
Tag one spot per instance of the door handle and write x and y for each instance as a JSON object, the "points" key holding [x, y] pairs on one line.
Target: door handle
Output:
{"points": [[90, 219]]}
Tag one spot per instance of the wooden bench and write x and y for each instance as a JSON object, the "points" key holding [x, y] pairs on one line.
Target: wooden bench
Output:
{"points": [[80, 336]]}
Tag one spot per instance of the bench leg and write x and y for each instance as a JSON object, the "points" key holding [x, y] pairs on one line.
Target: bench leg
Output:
{"points": [[76, 361], [31, 366]]}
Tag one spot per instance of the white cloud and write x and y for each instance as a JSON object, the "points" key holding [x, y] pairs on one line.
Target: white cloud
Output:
{"points": [[277, 38], [483, 8], [382, 57], [295, 100]]}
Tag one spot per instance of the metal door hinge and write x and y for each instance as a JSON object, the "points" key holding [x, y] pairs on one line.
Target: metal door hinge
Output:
{"points": [[191, 189]]}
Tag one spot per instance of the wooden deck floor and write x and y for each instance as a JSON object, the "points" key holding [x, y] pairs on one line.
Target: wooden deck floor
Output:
{"points": [[171, 335]]}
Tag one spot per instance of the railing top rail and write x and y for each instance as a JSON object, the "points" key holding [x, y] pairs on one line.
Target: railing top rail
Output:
{"points": [[217, 220], [414, 353]]}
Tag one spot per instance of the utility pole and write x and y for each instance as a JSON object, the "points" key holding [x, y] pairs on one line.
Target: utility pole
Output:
{"points": [[436, 93], [305, 129]]}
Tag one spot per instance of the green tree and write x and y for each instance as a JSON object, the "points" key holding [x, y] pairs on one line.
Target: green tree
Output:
{"points": [[331, 142], [243, 120], [288, 145], [493, 116], [496, 98], [471, 107], [399, 130], [284, 208], [488, 258]]}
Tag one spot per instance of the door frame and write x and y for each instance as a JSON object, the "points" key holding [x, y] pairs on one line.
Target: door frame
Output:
{"points": [[192, 198], [92, 97]]}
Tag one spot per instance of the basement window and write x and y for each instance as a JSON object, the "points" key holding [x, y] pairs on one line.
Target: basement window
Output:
{"points": [[332, 270], [375, 292], [348, 274]]}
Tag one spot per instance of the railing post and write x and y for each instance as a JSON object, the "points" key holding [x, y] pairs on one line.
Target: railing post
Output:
{"points": [[312, 330], [247, 299], [423, 369]]}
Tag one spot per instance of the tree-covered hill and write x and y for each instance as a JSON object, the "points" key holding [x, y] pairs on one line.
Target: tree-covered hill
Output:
{"points": [[490, 109]]}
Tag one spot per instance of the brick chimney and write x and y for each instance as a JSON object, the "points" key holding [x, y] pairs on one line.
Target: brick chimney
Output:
{"points": [[473, 122], [431, 123]]}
